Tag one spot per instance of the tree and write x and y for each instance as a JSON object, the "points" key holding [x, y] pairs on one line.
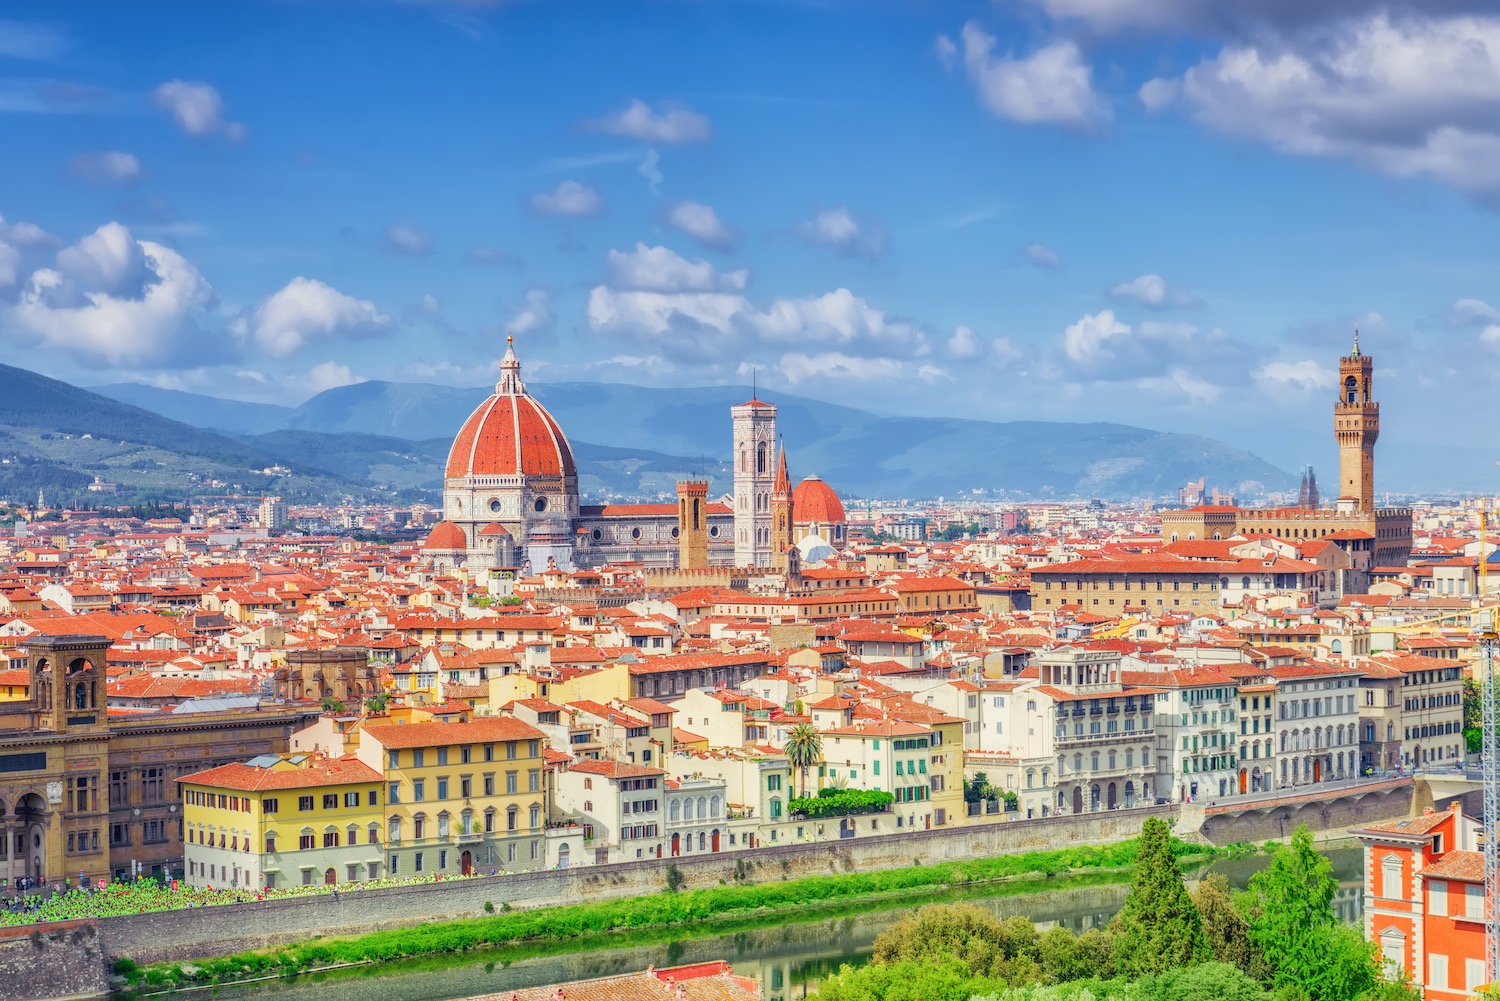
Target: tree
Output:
{"points": [[1158, 927], [332, 705], [1289, 907], [985, 945], [974, 788], [804, 748], [1207, 982], [1226, 932], [376, 703]]}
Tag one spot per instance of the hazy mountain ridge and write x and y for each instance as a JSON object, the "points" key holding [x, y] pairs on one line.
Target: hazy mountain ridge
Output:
{"points": [[651, 435]]}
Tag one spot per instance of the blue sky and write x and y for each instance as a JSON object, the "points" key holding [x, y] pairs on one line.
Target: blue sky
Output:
{"points": [[1134, 210]]}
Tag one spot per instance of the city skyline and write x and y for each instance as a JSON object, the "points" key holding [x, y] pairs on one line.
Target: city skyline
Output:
{"points": [[1053, 209]]}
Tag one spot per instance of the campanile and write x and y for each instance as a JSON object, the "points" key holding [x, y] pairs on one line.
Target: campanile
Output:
{"points": [[1356, 425]]}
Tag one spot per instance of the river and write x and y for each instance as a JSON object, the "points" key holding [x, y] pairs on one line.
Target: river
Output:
{"points": [[789, 959]]}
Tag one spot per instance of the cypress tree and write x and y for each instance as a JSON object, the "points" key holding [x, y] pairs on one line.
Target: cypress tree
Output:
{"points": [[1158, 928]]}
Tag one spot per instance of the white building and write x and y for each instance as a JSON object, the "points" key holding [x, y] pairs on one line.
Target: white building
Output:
{"points": [[754, 479], [696, 816], [620, 806], [1317, 723], [1197, 732]]}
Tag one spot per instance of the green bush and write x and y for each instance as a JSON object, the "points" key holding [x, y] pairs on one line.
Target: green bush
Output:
{"points": [[840, 803]]}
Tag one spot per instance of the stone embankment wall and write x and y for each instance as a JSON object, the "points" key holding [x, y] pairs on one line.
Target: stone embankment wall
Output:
{"points": [[78, 958], [64, 959], [207, 931]]}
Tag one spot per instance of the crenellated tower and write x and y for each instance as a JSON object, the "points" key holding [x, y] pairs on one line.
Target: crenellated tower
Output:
{"points": [[1356, 425], [692, 524]]}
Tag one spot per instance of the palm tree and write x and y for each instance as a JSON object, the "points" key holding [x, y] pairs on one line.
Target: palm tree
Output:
{"points": [[804, 748]]}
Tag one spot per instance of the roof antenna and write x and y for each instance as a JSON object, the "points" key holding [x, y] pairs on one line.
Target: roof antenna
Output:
{"points": [[754, 393]]}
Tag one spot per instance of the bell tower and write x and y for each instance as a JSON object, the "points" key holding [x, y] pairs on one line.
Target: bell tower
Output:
{"points": [[754, 480], [1356, 425], [692, 524]]}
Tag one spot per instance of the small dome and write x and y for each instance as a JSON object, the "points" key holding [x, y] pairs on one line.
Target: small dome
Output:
{"points": [[445, 536], [494, 530], [510, 434], [814, 501], [815, 549]]}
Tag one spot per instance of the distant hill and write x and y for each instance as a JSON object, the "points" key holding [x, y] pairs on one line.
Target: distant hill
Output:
{"points": [[630, 441], [228, 416], [860, 453], [54, 435]]}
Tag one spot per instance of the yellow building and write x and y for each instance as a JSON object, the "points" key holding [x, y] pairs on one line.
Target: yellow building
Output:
{"points": [[461, 796], [283, 821]]}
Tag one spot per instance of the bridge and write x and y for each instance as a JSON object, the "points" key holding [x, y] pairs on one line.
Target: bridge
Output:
{"points": [[1326, 807]]}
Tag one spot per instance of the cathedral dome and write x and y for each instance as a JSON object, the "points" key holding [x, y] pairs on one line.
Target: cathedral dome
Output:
{"points": [[445, 536], [511, 434], [814, 501]]}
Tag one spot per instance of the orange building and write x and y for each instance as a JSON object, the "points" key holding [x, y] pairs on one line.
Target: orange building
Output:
{"points": [[1424, 900]]}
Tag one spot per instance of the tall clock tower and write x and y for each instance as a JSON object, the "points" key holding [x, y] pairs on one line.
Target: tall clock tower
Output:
{"points": [[1356, 425]]}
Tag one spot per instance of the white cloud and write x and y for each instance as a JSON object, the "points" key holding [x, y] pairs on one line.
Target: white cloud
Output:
{"points": [[673, 123], [838, 230], [798, 367], [965, 344], [113, 300], [1152, 292], [1042, 255], [1086, 341], [658, 269], [568, 198], [327, 375], [303, 311], [534, 315], [1467, 312], [946, 51], [1306, 374], [26, 235], [10, 265], [197, 109], [1362, 90], [1052, 85], [1180, 384], [408, 240], [650, 169], [106, 167], [700, 222]]}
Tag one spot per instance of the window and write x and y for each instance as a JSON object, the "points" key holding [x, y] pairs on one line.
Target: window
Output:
{"points": [[416, 758], [394, 759], [510, 783], [442, 788], [442, 755], [330, 839], [489, 785], [268, 805], [1390, 878], [418, 790], [306, 841], [465, 787], [393, 795], [304, 803], [510, 750]]}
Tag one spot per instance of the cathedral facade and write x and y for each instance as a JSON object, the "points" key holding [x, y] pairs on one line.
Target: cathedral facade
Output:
{"points": [[511, 501]]}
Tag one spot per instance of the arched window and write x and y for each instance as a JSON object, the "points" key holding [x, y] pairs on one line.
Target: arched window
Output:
{"points": [[676, 811], [702, 808], [535, 816], [713, 807], [442, 825]]}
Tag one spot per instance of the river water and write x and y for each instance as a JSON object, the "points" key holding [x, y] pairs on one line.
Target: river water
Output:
{"points": [[789, 959]]}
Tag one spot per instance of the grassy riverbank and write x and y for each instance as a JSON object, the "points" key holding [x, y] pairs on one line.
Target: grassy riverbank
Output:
{"points": [[708, 909]]}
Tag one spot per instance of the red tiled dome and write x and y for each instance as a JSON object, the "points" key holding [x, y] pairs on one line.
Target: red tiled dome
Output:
{"points": [[814, 500], [493, 529], [511, 434], [445, 535]]}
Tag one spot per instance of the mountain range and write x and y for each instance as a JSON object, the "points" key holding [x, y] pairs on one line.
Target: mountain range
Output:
{"points": [[636, 441]]}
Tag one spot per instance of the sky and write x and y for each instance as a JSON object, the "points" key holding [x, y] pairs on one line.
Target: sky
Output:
{"points": [[1169, 213]]}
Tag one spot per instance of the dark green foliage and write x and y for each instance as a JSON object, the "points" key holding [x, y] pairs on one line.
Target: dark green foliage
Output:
{"points": [[1226, 932], [987, 946], [1208, 982], [840, 802], [1158, 928]]}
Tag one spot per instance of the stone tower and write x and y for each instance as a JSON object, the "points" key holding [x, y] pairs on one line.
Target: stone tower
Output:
{"points": [[67, 682], [781, 514], [692, 524], [1356, 425], [754, 478]]}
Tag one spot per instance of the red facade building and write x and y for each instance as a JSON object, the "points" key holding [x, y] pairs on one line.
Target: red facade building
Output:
{"points": [[1424, 900]]}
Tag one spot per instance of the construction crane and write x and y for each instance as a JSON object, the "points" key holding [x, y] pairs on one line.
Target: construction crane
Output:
{"points": [[1489, 721]]}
